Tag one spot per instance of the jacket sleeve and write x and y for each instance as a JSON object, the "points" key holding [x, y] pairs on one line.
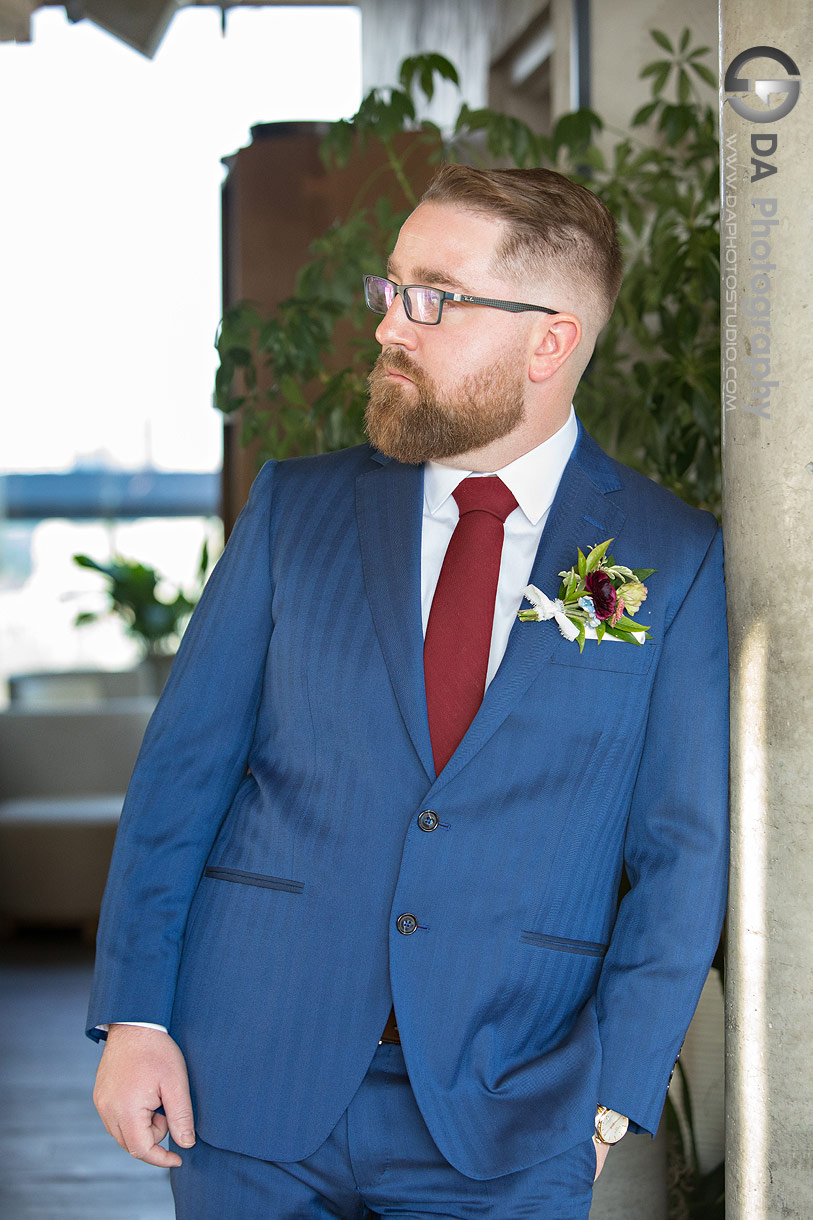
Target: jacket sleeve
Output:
{"points": [[676, 856], [190, 765]]}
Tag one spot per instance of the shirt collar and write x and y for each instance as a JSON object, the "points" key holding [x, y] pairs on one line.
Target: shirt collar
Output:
{"points": [[533, 478]]}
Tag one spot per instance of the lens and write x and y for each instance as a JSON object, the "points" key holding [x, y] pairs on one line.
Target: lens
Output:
{"points": [[423, 304], [378, 293]]}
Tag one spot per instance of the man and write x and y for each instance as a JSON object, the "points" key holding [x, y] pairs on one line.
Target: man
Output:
{"points": [[369, 785]]}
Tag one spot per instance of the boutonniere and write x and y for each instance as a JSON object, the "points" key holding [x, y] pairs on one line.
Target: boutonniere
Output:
{"points": [[596, 596]]}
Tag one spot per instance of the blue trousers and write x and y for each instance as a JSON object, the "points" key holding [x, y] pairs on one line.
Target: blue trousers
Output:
{"points": [[381, 1157]]}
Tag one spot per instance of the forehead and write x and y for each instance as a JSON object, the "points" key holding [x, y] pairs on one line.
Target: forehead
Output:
{"points": [[452, 244]]}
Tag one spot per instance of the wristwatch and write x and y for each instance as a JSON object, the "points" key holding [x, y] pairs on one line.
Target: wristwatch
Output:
{"points": [[610, 1125]]}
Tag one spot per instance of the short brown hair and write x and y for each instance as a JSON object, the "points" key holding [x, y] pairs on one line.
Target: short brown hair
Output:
{"points": [[553, 223]]}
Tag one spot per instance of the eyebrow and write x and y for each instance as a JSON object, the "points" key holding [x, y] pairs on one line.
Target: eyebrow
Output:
{"points": [[430, 276]]}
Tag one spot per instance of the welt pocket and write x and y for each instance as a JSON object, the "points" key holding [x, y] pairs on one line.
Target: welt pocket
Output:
{"points": [[563, 944], [617, 656], [241, 877]]}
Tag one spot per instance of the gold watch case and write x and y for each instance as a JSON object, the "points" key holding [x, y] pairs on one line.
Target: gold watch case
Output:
{"points": [[610, 1125]]}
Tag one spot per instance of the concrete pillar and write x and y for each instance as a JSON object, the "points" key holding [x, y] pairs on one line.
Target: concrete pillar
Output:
{"points": [[767, 251]]}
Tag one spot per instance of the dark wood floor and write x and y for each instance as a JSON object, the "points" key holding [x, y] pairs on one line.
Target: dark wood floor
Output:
{"points": [[56, 1160]]}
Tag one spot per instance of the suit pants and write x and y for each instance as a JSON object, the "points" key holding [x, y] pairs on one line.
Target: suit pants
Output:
{"points": [[380, 1157]]}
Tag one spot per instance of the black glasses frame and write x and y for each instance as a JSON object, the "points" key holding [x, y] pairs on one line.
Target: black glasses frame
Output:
{"points": [[402, 291]]}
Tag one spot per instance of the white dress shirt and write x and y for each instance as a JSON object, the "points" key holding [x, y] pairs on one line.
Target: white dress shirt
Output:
{"points": [[533, 479]]}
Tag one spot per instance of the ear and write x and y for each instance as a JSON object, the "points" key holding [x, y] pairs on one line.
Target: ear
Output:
{"points": [[562, 335]]}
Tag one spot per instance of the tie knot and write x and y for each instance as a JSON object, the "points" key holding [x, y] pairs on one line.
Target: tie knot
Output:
{"points": [[488, 495]]}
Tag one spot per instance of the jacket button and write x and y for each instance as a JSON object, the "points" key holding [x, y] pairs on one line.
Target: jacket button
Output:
{"points": [[428, 820], [406, 924]]}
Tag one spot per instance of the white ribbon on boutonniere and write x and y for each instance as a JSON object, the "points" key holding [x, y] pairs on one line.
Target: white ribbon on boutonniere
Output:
{"points": [[547, 609]]}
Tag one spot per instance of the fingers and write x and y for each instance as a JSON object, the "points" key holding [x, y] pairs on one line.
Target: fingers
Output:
{"points": [[143, 1144], [140, 1071], [178, 1110]]}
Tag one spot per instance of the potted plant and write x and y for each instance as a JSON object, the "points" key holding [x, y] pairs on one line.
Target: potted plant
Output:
{"points": [[658, 360], [156, 621]]}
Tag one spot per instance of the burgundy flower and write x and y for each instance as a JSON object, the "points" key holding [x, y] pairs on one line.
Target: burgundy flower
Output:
{"points": [[604, 596]]}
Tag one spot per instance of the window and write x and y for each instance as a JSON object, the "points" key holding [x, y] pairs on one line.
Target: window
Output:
{"points": [[110, 294]]}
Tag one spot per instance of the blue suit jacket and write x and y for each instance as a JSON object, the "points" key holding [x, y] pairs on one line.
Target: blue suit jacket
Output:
{"points": [[270, 837]]}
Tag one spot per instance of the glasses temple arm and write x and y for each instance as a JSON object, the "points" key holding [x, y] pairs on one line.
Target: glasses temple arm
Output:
{"points": [[509, 306]]}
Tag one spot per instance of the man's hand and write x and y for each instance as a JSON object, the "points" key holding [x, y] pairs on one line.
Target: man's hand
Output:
{"points": [[601, 1155], [140, 1070]]}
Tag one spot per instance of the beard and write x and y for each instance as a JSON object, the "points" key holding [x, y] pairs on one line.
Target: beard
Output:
{"points": [[417, 423]]}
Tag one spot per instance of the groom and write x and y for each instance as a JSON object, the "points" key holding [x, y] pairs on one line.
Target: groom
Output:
{"points": [[367, 875]]}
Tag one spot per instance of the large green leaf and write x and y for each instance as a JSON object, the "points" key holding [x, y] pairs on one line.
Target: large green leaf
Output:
{"points": [[662, 40], [596, 555], [424, 68]]}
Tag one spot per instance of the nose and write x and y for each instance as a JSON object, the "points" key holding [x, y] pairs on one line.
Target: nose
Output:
{"points": [[395, 328]]}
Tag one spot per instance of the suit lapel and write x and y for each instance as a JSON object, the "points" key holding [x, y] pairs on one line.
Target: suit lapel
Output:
{"points": [[389, 507], [581, 516]]}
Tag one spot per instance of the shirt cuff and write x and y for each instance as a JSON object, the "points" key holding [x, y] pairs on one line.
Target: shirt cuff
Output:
{"points": [[140, 1024]]}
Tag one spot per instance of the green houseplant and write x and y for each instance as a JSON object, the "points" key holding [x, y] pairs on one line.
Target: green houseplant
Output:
{"points": [[155, 621], [132, 596], [651, 395]]}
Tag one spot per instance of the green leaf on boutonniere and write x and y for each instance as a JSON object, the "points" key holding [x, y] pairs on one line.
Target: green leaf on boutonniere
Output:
{"points": [[642, 573], [618, 569], [578, 623], [595, 557], [570, 584], [602, 627], [628, 624], [582, 565], [627, 636]]}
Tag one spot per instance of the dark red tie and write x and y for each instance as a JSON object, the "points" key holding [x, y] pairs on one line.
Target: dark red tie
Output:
{"points": [[458, 634]]}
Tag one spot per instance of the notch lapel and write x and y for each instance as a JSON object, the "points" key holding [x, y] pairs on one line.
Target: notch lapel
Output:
{"points": [[389, 509], [581, 516]]}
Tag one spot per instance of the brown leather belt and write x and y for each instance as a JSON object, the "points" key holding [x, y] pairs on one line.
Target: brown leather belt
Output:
{"points": [[390, 1033]]}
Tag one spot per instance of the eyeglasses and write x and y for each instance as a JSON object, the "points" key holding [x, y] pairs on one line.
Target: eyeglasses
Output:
{"points": [[425, 305]]}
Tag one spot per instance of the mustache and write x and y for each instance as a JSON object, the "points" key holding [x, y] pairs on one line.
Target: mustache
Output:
{"points": [[396, 361]]}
